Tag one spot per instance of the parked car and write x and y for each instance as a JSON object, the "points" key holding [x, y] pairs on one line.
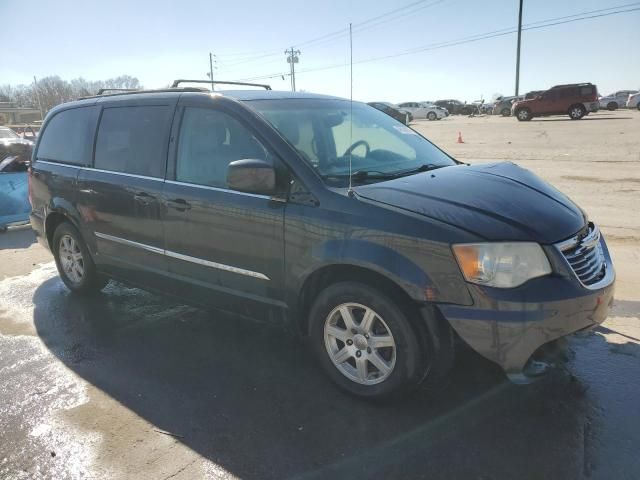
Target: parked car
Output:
{"points": [[616, 100], [9, 137], [633, 101], [245, 201], [575, 100], [502, 105], [393, 111], [455, 107], [14, 202], [424, 110]]}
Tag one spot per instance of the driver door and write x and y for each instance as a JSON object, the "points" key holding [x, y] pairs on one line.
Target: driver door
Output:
{"points": [[224, 248]]}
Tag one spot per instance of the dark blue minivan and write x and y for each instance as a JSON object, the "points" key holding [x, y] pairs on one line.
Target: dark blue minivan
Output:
{"points": [[324, 214]]}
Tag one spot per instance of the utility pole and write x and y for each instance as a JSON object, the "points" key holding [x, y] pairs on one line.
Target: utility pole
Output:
{"points": [[518, 50], [211, 69], [35, 84], [292, 59]]}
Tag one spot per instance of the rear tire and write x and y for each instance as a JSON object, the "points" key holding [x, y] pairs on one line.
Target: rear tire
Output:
{"points": [[431, 116], [365, 342], [576, 112], [638, 106], [523, 114], [74, 262], [612, 106], [505, 112]]}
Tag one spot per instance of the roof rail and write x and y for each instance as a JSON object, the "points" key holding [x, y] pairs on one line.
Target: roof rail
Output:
{"points": [[215, 82], [102, 90], [135, 92]]}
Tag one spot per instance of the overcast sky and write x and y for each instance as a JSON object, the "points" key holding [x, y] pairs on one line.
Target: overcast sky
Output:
{"points": [[158, 41]]}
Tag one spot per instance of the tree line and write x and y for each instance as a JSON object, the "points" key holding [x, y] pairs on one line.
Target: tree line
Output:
{"points": [[51, 91]]}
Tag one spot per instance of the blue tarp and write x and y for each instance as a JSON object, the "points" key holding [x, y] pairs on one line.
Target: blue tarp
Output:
{"points": [[14, 198]]}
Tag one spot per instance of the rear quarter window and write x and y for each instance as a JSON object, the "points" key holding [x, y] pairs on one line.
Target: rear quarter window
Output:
{"points": [[68, 136], [134, 140], [586, 90]]}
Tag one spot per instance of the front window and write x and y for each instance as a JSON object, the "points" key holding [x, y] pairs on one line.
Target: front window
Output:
{"points": [[326, 134]]}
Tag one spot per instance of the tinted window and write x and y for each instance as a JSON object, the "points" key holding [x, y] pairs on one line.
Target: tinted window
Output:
{"points": [[133, 140], [209, 141], [586, 90], [68, 137]]}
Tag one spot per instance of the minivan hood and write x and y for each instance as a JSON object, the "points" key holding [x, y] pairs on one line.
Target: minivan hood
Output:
{"points": [[497, 201]]}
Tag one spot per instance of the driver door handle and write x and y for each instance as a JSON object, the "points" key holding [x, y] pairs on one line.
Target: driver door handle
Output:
{"points": [[179, 204]]}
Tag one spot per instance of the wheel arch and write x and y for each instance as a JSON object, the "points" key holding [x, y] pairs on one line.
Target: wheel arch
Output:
{"points": [[327, 275], [60, 211]]}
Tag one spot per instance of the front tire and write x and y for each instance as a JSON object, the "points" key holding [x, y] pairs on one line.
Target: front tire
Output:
{"points": [[576, 112], [612, 106], [74, 262], [431, 116], [365, 343], [505, 112], [523, 115]]}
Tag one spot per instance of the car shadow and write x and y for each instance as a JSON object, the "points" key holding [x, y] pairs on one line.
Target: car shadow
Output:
{"points": [[17, 237], [248, 397], [590, 119]]}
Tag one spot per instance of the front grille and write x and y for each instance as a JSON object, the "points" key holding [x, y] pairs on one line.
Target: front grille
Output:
{"points": [[585, 256]]}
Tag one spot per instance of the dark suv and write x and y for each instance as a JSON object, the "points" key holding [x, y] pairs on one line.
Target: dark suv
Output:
{"points": [[575, 100], [244, 201]]}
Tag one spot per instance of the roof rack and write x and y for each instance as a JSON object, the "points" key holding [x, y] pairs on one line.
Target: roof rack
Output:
{"points": [[102, 90], [125, 91], [215, 82]]}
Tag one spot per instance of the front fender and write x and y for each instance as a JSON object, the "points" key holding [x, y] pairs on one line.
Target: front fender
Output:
{"points": [[372, 256]]}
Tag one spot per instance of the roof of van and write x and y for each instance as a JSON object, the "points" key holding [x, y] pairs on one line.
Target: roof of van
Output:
{"points": [[273, 95]]}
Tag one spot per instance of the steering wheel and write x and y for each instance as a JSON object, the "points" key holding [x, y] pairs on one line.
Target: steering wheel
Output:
{"points": [[356, 145]]}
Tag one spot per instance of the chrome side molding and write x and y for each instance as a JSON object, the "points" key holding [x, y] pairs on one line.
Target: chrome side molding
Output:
{"points": [[180, 256]]}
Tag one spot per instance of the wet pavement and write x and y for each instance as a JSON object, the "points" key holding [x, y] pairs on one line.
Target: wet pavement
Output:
{"points": [[131, 385]]}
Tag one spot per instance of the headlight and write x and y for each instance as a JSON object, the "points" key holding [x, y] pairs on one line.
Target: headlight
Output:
{"points": [[502, 265]]}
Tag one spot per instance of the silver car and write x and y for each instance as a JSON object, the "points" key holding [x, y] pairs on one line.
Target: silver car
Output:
{"points": [[616, 100], [424, 110]]}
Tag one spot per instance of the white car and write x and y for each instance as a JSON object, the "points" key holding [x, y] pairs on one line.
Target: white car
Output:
{"points": [[634, 101], [424, 110], [616, 100]]}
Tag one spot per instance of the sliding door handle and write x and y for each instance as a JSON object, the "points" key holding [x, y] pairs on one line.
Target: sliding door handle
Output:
{"points": [[144, 198]]}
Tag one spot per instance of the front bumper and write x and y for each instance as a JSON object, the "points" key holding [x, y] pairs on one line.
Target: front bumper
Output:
{"points": [[508, 325]]}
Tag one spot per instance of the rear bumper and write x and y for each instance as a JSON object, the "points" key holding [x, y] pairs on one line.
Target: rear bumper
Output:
{"points": [[508, 325], [37, 224], [592, 106]]}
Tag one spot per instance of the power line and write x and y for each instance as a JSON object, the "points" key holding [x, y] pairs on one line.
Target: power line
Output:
{"points": [[475, 38], [344, 32]]}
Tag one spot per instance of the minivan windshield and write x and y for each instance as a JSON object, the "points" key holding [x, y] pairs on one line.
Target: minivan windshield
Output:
{"points": [[327, 132]]}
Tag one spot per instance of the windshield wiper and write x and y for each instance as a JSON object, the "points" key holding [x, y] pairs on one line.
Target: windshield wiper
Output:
{"points": [[378, 175]]}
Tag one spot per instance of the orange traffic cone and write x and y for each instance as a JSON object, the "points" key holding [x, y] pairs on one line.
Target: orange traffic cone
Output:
{"points": [[460, 138]]}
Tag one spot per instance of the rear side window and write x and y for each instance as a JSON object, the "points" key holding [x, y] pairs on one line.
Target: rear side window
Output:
{"points": [[68, 137], [586, 90], [133, 140]]}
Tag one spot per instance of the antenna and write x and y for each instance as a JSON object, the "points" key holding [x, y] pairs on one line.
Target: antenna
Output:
{"points": [[350, 191]]}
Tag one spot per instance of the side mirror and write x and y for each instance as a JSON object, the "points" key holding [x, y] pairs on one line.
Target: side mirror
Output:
{"points": [[252, 176]]}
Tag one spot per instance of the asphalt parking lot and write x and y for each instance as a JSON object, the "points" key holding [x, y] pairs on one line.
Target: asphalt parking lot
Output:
{"points": [[132, 385]]}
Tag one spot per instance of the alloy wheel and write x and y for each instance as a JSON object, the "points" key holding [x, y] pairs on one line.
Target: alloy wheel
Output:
{"points": [[71, 259], [576, 112], [359, 343]]}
